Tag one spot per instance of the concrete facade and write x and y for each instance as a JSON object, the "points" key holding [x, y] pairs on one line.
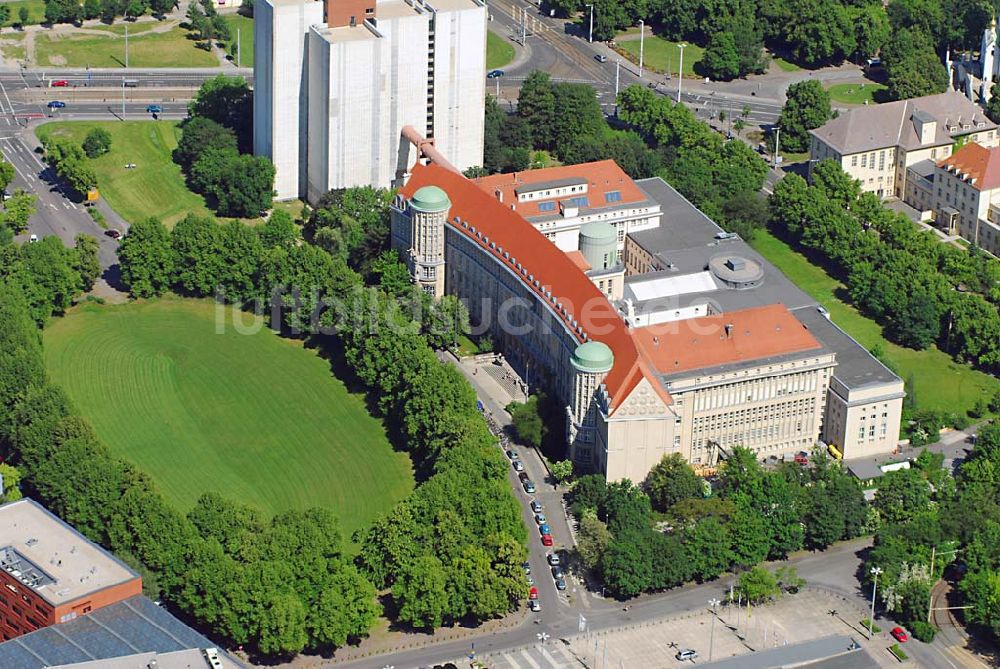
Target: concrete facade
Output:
{"points": [[279, 101], [352, 85]]}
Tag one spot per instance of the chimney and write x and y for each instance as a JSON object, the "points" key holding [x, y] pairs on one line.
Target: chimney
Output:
{"points": [[499, 194], [729, 330]]}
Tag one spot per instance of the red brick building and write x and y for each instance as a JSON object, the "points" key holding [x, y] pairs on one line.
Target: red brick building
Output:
{"points": [[50, 573]]}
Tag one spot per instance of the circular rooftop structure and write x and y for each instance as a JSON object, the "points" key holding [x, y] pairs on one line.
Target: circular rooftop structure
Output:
{"points": [[593, 356], [736, 272], [598, 231], [430, 199]]}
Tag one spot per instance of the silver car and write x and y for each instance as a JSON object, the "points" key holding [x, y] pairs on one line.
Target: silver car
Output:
{"points": [[518, 465]]}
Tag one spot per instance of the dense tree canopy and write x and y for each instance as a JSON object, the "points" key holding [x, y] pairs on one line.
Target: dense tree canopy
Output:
{"points": [[807, 108]]}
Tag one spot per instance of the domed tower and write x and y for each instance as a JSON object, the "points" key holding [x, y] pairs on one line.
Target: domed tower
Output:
{"points": [[590, 364], [427, 211]]}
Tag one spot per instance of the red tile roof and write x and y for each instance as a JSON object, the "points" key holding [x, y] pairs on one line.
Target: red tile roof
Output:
{"points": [[579, 260], [601, 177], [671, 347], [697, 343], [976, 161], [552, 268]]}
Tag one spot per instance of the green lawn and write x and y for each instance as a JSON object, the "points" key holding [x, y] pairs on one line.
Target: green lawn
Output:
{"points": [[661, 55], [12, 47], [155, 187], [785, 65], [940, 382], [856, 93], [169, 49], [245, 25], [499, 52], [36, 10], [254, 417]]}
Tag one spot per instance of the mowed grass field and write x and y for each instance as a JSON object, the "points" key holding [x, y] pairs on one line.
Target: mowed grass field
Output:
{"points": [[940, 382], [499, 52], [145, 49], [254, 417], [155, 187], [658, 54], [856, 93]]}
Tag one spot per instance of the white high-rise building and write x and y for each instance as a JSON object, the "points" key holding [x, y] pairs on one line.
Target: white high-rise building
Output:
{"points": [[336, 82]]}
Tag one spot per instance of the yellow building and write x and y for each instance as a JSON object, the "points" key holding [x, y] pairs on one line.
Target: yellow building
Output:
{"points": [[876, 144]]}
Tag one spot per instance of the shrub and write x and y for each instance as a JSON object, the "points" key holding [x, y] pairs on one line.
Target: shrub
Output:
{"points": [[97, 142], [898, 652], [875, 628], [923, 631]]}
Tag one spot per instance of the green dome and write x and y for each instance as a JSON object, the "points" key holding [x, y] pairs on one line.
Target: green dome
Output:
{"points": [[593, 357], [598, 230], [430, 199]]}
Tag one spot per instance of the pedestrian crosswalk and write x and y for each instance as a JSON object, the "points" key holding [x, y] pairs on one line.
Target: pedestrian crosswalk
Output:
{"points": [[547, 656]]}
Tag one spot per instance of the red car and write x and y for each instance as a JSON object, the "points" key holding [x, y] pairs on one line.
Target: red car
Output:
{"points": [[533, 593], [546, 539], [899, 635], [60, 83]]}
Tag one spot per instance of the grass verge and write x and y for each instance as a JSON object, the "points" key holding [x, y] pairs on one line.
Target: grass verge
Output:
{"points": [[245, 26], [660, 55], [12, 47], [931, 370], [36, 11], [875, 628], [856, 93], [898, 652], [169, 49], [155, 187], [499, 51], [785, 65], [258, 418]]}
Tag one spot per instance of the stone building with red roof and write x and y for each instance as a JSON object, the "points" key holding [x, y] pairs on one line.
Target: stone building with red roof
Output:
{"points": [[697, 386]]}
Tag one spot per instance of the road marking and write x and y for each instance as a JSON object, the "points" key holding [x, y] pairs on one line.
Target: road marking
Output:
{"points": [[510, 661], [529, 660], [553, 661]]}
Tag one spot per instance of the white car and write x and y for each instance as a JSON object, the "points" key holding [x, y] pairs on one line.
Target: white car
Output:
{"points": [[32, 239], [553, 559], [534, 605], [540, 518]]}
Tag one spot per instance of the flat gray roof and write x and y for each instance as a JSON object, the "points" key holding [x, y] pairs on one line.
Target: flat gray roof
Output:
{"points": [[686, 240], [52, 558], [553, 183]]}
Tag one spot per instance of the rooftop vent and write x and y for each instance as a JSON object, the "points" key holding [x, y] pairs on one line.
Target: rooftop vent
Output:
{"points": [[736, 264]]}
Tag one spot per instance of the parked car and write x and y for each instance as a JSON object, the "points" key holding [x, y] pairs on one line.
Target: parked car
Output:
{"points": [[534, 605], [154, 109], [533, 593], [802, 458], [557, 572], [560, 584], [57, 104], [546, 539], [553, 558], [523, 476], [518, 465], [536, 506], [531, 580], [601, 58], [686, 654], [526, 567], [114, 234], [60, 83], [899, 635], [540, 518], [494, 74], [529, 487], [512, 454], [32, 239], [544, 529]]}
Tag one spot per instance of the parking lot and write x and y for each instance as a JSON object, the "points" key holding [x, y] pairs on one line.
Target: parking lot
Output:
{"points": [[806, 616]]}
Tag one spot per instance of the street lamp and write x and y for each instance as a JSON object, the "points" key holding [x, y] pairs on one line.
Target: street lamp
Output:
{"points": [[871, 620], [680, 71], [711, 639], [777, 143], [590, 36], [642, 34]]}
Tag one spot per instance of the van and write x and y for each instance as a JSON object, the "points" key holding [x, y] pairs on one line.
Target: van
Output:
{"points": [[686, 654], [601, 58]]}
